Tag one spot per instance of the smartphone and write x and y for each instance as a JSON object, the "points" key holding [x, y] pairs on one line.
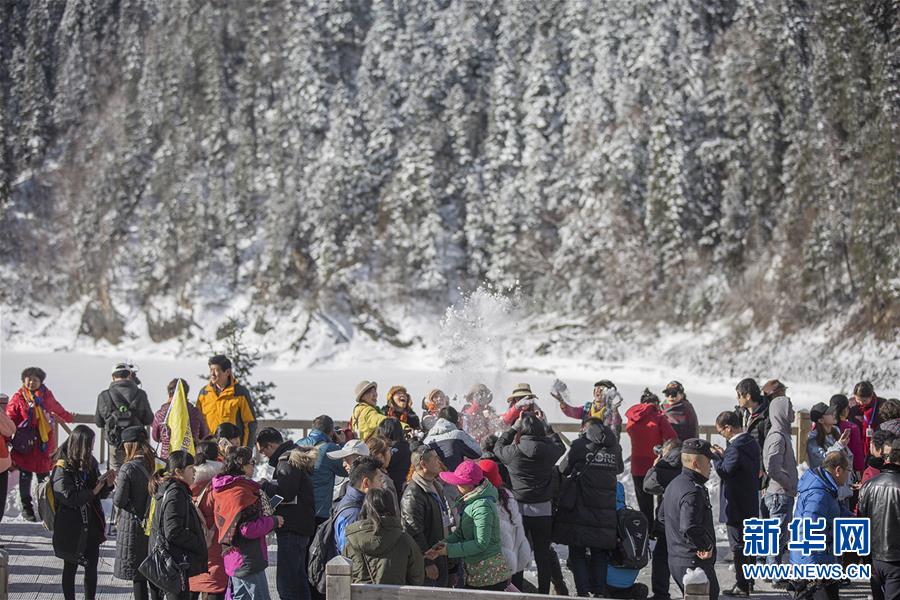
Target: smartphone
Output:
{"points": [[275, 500]]}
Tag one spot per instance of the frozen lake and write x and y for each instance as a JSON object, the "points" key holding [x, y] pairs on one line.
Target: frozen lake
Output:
{"points": [[303, 393]]}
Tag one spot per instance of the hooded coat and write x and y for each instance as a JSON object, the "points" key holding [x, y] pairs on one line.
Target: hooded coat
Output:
{"points": [[594, 461], [738, 470], [530, 461], [132, 498], [647, 427], [778, 458], [292, 482], [324, 471], [817, 498], [387, 555], [451, 443]]}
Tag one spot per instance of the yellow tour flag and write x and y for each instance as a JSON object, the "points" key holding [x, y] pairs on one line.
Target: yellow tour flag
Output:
{"points": [[179, 423]]}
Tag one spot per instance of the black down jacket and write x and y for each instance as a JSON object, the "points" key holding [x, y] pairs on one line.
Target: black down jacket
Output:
{"points": [[530, 461], [179, 524], [594, 461], [131, 498]]}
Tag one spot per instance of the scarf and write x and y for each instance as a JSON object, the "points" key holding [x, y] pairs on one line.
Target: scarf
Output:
{"points": [[38, 416], [593, 411], [400, 414], [230, 503]]}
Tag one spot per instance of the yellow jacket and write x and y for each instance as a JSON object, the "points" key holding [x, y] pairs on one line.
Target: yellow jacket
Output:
{"points": [[365, 420], [234, 405]]}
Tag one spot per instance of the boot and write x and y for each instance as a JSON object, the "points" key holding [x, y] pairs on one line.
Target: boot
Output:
{"points": [[28, 513]]}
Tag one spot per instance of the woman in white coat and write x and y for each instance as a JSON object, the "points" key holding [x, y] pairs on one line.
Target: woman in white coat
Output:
{"points": [[513, 542]]}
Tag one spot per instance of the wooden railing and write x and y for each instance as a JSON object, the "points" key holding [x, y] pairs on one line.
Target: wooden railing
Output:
{"points": [[800, 430], [339, 586]]}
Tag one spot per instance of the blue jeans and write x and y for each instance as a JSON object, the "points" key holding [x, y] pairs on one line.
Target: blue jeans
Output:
{"points": [[777, 506], [251, 587], [290, 571], [589, 574]]}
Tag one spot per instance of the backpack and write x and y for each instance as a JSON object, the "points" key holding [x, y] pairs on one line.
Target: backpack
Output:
{"points": [[322, 550], [119, 418], [633, 543], [46, 501], [25, 438]]}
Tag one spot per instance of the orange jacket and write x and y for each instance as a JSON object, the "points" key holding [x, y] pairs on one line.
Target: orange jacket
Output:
{"points": [[233, 405]]}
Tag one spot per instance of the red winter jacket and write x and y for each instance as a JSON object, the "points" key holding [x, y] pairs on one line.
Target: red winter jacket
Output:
{"points": [[18, 410], [648, 427]]}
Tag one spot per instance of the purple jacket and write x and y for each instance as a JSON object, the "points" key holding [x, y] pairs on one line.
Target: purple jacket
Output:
{"points": [[160, 431]]}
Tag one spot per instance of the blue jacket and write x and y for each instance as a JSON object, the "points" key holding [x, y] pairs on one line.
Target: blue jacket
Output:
{"points": [[620, 577], [346, 513], [739, 471], [817, 497], [324, 472]]}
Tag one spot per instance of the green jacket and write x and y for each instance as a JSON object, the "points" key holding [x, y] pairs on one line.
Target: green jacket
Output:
{"points": [[388, 556], [478, 534]]}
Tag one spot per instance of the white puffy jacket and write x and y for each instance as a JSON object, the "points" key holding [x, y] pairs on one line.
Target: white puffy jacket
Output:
{"points": [[513, 543]]}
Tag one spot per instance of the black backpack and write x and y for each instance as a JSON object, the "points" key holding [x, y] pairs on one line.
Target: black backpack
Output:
{"points": [[322, 549], [119, 417], [633, 544]]}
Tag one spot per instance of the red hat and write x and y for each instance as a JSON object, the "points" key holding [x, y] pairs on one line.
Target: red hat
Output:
{"points": [[492, 471], [467, 473]]}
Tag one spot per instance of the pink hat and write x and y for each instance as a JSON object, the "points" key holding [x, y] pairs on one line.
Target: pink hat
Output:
{"points": [[492, 471], [467, 473]]}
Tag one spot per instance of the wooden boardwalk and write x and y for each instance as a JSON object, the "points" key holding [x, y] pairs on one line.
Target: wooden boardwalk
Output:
{"points": [[35, 573]]}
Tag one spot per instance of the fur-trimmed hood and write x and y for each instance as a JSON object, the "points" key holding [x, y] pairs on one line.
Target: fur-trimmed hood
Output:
{"points": [[304, 457]]}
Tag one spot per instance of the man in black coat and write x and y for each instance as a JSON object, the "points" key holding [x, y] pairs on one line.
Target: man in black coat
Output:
{"points": [[291, 480], [120, 406], [687, 516], [738, 469], [666, 468], [424, 513], [586, 519], [879, 500], [753, 408]]}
